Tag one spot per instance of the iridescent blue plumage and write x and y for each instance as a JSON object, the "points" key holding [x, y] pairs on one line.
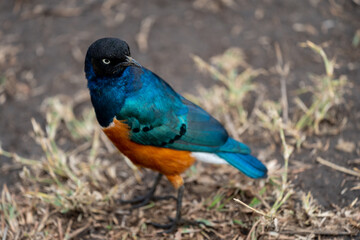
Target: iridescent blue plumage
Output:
{"points": [[159, 116]]}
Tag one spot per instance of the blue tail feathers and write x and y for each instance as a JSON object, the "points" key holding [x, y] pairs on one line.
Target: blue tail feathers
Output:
{"points": [[234, 146], [247, 164]]}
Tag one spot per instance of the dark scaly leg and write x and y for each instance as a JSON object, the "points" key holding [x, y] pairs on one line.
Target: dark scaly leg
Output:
{"points": [[172, 226], [175, 222], [145, 199]]}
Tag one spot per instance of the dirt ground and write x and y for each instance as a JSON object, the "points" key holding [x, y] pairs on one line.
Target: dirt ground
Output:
{"points": [[43, 42]]}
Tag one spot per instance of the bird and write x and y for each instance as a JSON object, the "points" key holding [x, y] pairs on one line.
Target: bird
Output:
{"points": [[153, 125]]}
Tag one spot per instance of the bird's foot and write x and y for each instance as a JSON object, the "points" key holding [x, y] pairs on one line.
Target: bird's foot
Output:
{"points": [[174, 224], [169, 228], [145, 200], [148, 197]]}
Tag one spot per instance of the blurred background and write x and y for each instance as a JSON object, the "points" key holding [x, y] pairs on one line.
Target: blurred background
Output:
{"points": [[43, 44]]}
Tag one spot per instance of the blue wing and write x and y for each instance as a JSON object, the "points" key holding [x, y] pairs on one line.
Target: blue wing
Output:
{"points": [[158, 116], [168, 120]]}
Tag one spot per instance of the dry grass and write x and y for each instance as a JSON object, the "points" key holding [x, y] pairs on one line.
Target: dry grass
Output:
{"points": [[70, 191], [327, 93], [225, 100]]}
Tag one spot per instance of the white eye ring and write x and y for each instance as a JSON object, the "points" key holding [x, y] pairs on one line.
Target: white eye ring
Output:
{"points": [[106, 61]]}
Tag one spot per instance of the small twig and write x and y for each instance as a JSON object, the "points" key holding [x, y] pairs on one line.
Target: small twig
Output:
{"points": [[61, 235], [68, 228], [262, 200], [283, 70], [79, 230], [202, 65], [251, 208], [337, 167], [288, 150], [252, 229], [5, 232], [286, 154], [317, 232], [42, 223], [78, 149]]}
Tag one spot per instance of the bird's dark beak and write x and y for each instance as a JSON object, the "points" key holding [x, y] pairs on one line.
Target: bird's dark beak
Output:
{"points": [[131, 62]]}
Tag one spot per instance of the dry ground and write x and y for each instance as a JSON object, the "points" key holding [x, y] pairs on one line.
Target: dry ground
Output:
{"points": [[271, 90]]}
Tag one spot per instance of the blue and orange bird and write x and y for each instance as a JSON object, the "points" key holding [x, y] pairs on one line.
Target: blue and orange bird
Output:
{"points": [[154, 126]]}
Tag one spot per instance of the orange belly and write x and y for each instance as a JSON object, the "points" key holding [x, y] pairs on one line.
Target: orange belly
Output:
{"points": [[167, 161]]}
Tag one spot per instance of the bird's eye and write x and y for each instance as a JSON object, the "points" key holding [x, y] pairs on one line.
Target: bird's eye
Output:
{"points": [[106, 61]]}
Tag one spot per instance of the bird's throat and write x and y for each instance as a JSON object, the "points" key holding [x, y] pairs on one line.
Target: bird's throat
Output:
{"points": [[107, 102]]}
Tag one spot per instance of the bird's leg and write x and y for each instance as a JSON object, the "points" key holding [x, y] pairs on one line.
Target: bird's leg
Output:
{"points": [[172, 226], [175, 222], [145, 199]]}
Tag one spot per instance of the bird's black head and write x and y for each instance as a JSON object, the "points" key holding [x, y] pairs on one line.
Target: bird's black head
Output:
{"points": [[108, 57]]}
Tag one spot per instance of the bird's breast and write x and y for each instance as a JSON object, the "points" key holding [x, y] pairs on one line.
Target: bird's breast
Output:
{"points": [[169, 162]]}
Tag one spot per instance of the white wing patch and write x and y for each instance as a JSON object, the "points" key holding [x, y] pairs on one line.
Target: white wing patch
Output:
{"points": [[208, 157]]}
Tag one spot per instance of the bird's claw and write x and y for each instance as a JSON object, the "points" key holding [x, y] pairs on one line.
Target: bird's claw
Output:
{"points": [[144, 200], [172, 226], [160, 198]]}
